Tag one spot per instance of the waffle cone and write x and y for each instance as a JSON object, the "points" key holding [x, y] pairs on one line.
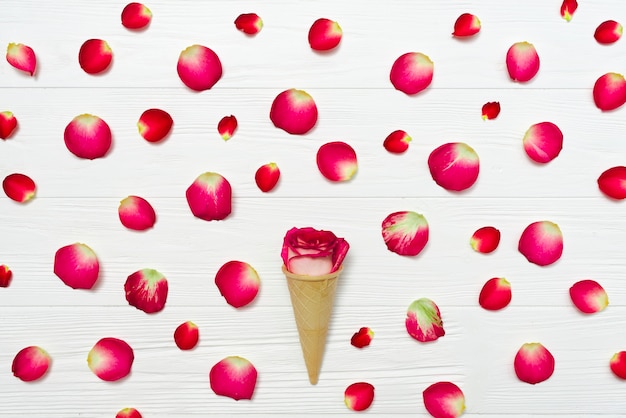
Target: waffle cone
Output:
{"points": [[312, 301]]}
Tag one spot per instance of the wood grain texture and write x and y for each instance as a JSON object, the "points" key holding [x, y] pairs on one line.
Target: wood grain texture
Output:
{"points": [[77, 202]]}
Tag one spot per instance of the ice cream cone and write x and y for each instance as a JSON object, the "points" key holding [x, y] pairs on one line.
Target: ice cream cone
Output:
{"points": [[312, 301]]}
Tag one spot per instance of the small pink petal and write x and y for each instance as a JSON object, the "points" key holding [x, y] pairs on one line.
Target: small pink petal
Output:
{"points": [[423, 321], [8, 123], [337, 161], [359, 396], [609, 91], [411, 72], [95, 56], [362, 338], [22, 57], [19, 187], [266, 177], [541, 243], [227, 127], [608, 32], [136, 16], [612, 182], [466, 25], [454, 166], [522, 61], [199, 68], [397, 142], [146, 290], [588, 296], [405, 232], [5, 276], [128, 413], [543, 142], [249, 23], [618, 364], [210, 197], [444, 400], [495, 294], [294, 111], [136, 213], [568, 7], [238, 282], [490, 110], [324, 34], [234, 377], [485, 240], [77, 266], [154, 125], [88, 136], [31, 363], [186, 335], [111, 359], [533, 363]]}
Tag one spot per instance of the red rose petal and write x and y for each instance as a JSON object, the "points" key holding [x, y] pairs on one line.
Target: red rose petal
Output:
{"points": [[405, 232], [238, 282], [111, 359], [294, 111], [423, 321], [8, 123], [186, 335], [31, 363], [485, 240], [359, 396], [234, 377], [227, 127], [337, 161], [397, 142], [19, 187], [154, 125], [146, 290], [612, 182], [541, 243], [362, 338], [533, 363], [5, 276], [324, 34], [495, 294], [568, 7], [77, 266], [412, 72], [22, 57], [88, 136], [618, 364], [136, 213], [608, 32], [466, 25], [588, 296], [454, 166], [444, 400], [128, 413], [609, 91], [210, 197], [136, 16], [95, 56], [267, 176], [199, 68], [490, 110], [543, 142], [522, 61], [249, 23]]}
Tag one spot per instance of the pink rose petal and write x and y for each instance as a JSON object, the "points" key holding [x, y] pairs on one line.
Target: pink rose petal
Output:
{"points": [[77, 266], [238, 282], [186, 335], [618, 364], [359, 396], [412, 72], [154, 125], [568, 7], [609, 91], [294, 111], [541, 243], [337, 161], [405, 232], [612, 182], [485, 240], [19, 187], [95, 56], [22, 57], [227, 127], [249, 23], [210, 197], [136, 213], [490, 110], [8, 123], [397, 142], [111, 359], [608, 32], [362, 338], [267, 176], [533, 363], [146, 290], [444, 400], [543, 142], [199, 68], [31, 363], [423, 321], [588, 296], [136, 16], [522, 61], [128, 413], [234, 377], [454, 166], [324, 34], [87, 136], [466, 25], [495, 294], [5, 276]]}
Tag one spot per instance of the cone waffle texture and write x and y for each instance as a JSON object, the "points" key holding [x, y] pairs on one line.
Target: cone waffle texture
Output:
{"points": [[312, 301]]}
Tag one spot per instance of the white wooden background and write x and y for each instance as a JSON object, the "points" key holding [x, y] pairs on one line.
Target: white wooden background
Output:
{"points": [[77, 201]]}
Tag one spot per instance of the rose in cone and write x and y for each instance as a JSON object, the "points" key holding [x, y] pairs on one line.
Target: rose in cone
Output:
{"points": [[312, 252]]}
